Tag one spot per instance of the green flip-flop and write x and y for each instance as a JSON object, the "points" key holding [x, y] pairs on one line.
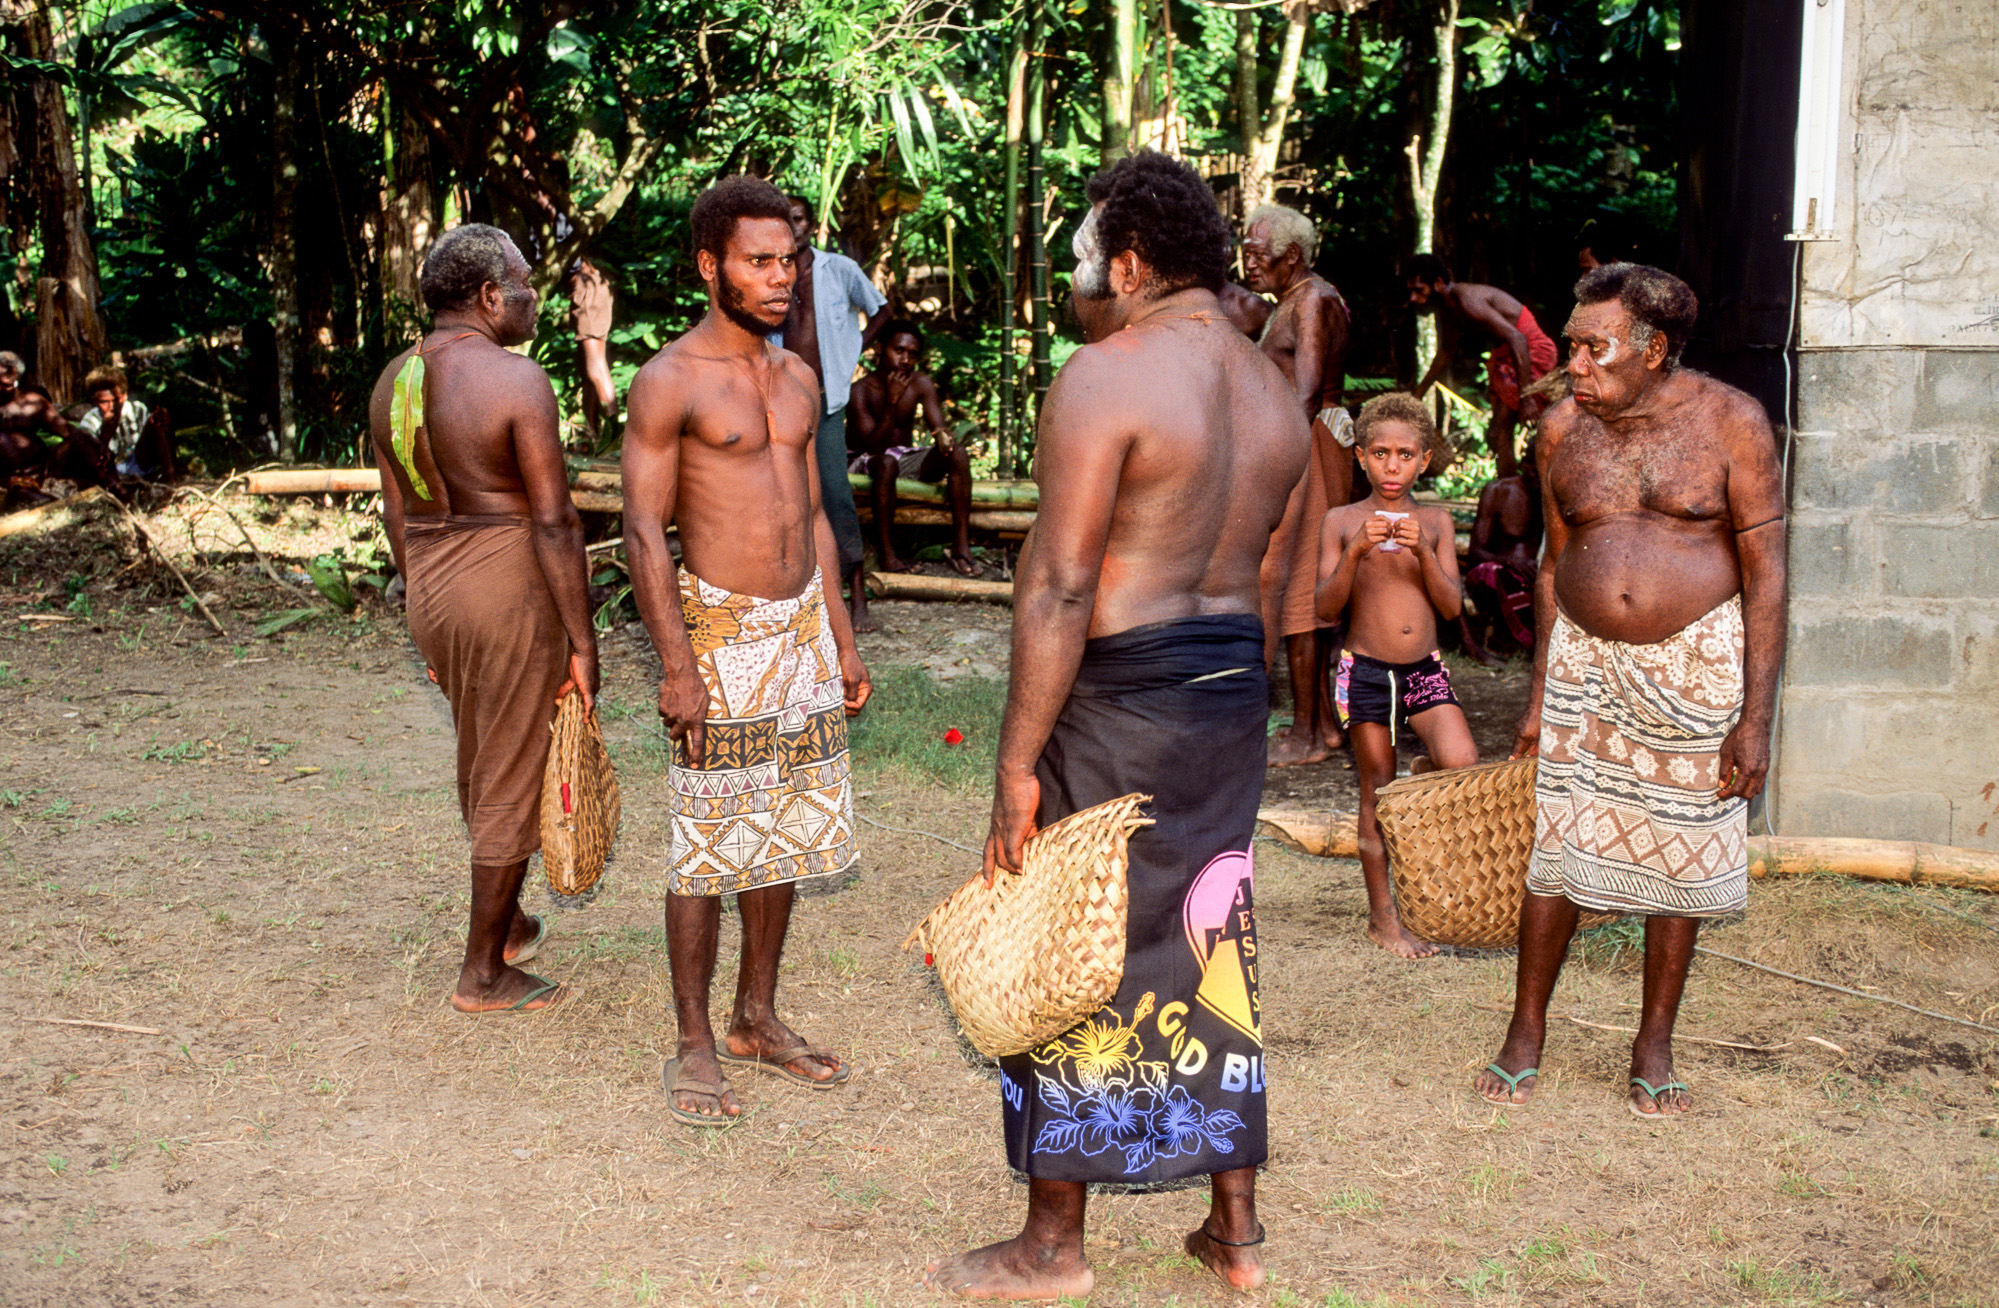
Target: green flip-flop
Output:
{"points": [[527, 951], [1512, 1079], [1654, 1092], [542, 988]]}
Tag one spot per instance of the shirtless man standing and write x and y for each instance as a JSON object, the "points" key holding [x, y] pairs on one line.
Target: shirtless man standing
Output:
{"points": [[1656, 678], [760, 669], [1166, 454], [476, 502], [24, 414], [1306, 336], [1475, 317]]}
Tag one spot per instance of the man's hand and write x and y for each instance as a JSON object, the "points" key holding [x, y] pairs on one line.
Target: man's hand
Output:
{"points": [[1406, 532], [683, 706], [584, 678], [1016, 799], [855, 688], [1373, 532], [1744, 762], [1527, 736]]}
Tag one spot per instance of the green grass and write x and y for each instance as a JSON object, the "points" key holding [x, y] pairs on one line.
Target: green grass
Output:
{"points": [[901, 733]]}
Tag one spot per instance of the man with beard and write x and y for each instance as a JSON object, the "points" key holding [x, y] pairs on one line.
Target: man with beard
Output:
{"points": [[25, 412], [759, 664], [476, 501], [1655, 681], [1306, 337], [1165, 456], [1470, 318], [822, 328]]}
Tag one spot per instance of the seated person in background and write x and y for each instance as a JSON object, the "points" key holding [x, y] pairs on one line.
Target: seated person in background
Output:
{"points": [[1505, 548], [884, 406], [136, 437], [25, 412], [1397, 562]]}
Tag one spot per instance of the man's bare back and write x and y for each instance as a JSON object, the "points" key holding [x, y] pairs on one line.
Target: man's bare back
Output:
{"points": [[1190, 436], [1650, 510], [734, 436], [481, 398]]}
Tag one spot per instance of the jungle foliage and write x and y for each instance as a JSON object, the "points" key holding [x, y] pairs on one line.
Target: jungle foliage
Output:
{"points": [[251, 163]]}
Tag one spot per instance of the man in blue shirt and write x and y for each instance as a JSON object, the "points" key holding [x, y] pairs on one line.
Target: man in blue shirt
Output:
{"points": [[831, 294]]}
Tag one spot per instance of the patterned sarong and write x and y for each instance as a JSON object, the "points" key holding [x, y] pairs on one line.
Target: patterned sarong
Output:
{"points": [[1626, 819], [771, 802], [1166, 1081]]}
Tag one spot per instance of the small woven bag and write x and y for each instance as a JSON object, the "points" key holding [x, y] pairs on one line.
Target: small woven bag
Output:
{"points": [[579, 801], [1027, 959], [1460, 841]]}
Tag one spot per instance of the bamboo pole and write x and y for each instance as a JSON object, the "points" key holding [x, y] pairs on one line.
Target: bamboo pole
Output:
{"points": [[1906, 862], [1323, 833], [313, 481], [1037, 249], [980, 520], [1016, 117], [914, 585]]}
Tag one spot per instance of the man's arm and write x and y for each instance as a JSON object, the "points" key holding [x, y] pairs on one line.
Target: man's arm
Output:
{"points": [[1756, 512], [650, 470], [1481, 310], [1554, 428], [1481, 526], [876, 320], [867, 416], [855, 688], [1439, 559], [558, 531], [1079, 454], [1308, 363], [933, 410], [1340, 556]]}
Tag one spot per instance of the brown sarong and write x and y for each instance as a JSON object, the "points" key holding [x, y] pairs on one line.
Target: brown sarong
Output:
{"points": [[482, 616], [772, 800], [1626, 819]]}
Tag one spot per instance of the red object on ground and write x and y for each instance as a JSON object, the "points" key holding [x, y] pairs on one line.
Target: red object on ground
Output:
{"points": [[929, 960], [954, 737]]}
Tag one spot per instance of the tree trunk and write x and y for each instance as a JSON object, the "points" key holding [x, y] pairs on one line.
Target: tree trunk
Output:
{"points": [[1122, 21], [284, 236], [409, 214], [1426, 163], [1248, 113], [1037, 250], [69, 333], [1016, 119], [1259, 182]]}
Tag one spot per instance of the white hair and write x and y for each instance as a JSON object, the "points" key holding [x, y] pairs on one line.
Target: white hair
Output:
{"points": [[1289, 229]]}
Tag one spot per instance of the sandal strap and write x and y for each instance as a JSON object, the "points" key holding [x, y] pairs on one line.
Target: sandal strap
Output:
{"points": [[1655, 1091], [1512, 1079], [1235, 1244]]}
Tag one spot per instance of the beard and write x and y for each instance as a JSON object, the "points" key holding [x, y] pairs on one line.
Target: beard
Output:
{"points": [[735, 306]]}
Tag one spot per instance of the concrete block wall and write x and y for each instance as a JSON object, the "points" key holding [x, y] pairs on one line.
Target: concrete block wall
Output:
{"points": [[1890, 724]]}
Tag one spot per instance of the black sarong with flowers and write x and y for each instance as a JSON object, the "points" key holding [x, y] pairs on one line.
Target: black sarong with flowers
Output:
{"points": [[1166, 1081]]}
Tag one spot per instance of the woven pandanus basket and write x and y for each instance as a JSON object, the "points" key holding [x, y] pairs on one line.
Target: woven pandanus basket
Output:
{"points": [[579, 801], [1460, 841], [1027, 959]]}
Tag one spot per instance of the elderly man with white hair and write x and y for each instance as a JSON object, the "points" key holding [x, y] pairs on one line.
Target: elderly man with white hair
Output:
{"points": [[1306, 337]]}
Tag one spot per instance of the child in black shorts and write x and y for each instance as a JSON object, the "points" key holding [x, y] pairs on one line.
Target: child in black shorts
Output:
{"points": [[1396, 562]]}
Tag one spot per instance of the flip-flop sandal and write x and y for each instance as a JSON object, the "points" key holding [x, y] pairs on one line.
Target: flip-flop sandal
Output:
{"points": [[531, 948], [775, 1064], [543, 987], [1650, 1090], [677, 1082], [1513, 1080]]}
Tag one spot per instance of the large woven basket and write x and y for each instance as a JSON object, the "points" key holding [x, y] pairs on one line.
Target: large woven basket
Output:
{"points": [[579, 801], [1027, 959], [1460, 841]]}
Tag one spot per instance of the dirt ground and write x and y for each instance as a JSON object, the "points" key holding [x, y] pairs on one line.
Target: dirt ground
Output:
{"points": [[250, 848]]}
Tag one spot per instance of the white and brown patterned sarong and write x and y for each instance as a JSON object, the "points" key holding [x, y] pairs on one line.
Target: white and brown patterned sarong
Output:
{"points": [[1626, 819], [772, 801]]}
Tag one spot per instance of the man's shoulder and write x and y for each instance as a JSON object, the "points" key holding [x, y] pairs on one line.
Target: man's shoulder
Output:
{"points": [[1730, 404]]}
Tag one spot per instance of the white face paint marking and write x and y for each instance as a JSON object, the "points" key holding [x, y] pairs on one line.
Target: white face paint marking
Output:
{"points": [[1608, 354], [1093, 274]]}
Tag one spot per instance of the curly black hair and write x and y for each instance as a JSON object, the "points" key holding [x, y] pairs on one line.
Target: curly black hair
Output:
{"points": [[464, 260], [719, 208], [900, 327], [1396, 406], [1426, 268], [1160, 209], [1656, 300]]}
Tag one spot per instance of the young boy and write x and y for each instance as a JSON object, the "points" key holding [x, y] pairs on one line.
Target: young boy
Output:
{"points": [[1397, 562]]}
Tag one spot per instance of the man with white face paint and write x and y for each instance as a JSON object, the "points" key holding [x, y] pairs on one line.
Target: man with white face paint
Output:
{"points": [[1167, 451], [1660, 607]]}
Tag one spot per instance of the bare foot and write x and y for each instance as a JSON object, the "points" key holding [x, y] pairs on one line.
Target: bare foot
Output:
{"points": [[715, 1102], [1420, 764], [1485, 657], [862, 620], [820, 1066], [1395, 938], [1013, 1269], [1666, 1096], [963, 563], [1241, 1265], [1335, 738], [895, 563], [514, 991], [1291, 750]]}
